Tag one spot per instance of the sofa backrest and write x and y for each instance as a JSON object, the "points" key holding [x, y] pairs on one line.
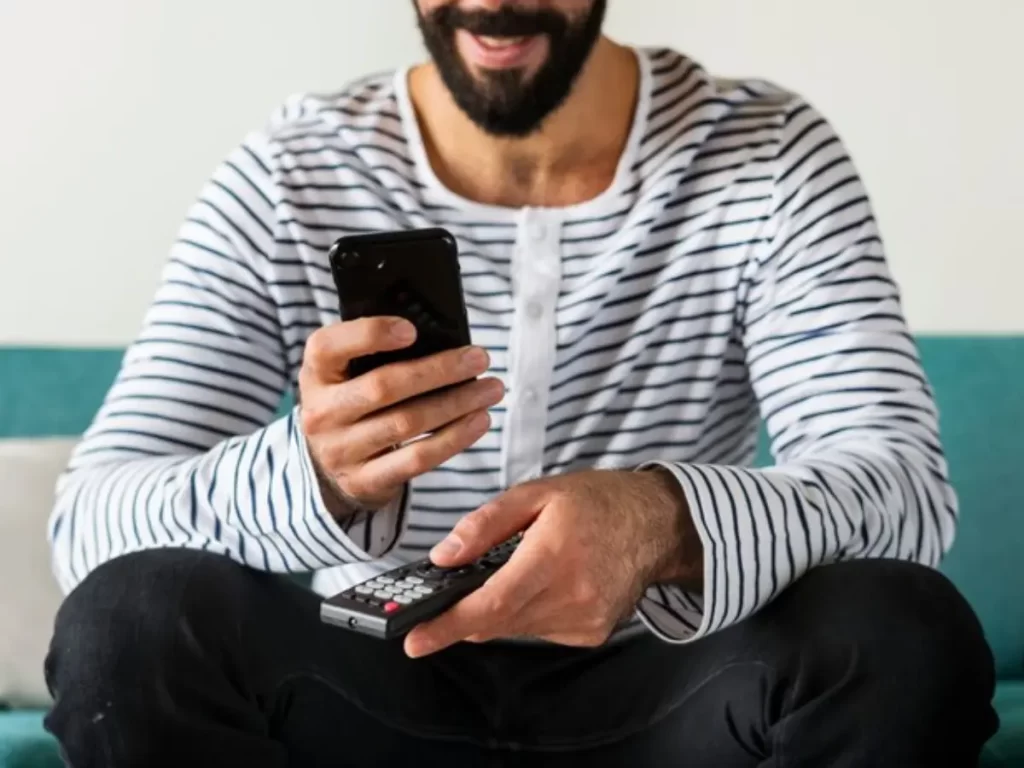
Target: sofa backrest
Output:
{"points": [[979, 384]]}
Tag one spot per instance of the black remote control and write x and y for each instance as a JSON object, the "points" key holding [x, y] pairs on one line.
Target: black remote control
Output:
{"points": [[391, 604]]}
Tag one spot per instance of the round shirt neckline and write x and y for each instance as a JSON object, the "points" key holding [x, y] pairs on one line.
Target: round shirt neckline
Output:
{"points": [[605, 202]]}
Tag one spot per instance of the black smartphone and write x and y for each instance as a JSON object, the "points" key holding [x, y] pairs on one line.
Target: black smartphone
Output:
{"points": [[412, 274]]}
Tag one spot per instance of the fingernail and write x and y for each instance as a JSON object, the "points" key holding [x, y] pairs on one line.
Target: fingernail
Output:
{"points": [[474, 358], [448, 549], [403, 331]]}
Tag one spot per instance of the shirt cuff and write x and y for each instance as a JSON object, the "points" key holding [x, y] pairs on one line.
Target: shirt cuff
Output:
{"points": [[363, 535], [672, 613]]}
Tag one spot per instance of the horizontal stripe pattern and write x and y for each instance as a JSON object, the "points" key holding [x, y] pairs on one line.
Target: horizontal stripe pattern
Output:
{"points": [[733, 271]]}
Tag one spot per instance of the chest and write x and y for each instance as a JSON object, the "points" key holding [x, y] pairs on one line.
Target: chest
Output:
{"points": [[617, 332], [564, 290]]}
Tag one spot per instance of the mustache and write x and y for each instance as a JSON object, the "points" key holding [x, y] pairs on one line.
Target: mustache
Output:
{"points": [[505, 22]]}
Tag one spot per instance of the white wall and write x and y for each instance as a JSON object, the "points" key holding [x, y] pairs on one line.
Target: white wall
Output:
{"points": [[116, 110]]}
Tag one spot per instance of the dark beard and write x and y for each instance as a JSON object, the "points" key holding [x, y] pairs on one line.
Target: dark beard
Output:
{"points": [[504, 103]]}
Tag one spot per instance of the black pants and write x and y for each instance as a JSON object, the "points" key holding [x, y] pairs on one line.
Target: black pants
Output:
{"points": [[177, 658]]}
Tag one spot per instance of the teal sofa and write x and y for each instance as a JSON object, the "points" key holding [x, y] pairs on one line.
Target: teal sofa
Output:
{"points": [[979, 383]]}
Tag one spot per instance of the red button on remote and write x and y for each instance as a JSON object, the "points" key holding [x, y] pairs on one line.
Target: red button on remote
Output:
{"points": [[391, 607]]}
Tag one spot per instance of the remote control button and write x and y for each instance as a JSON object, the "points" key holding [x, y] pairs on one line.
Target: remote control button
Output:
{"points": [[403, 600], [414, 580], [423, 589], [391, 607], [363, 590], [382, 595], [385, 580], [412, 595]]}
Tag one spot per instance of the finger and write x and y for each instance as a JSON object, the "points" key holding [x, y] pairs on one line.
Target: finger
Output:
{"points": [[386, 429], [490, 525], [494, 610], [576, 639], [394, 383], [329, 349], [343, 403], [398, 467]]}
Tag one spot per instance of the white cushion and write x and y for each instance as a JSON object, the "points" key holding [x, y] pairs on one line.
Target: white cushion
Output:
{"points": [[29, 596]]}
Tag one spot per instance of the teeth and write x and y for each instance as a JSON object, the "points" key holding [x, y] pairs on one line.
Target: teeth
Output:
{"points": [[501, 42]]}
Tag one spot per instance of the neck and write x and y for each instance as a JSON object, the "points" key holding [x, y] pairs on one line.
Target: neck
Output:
{"points": [[571, 159]]}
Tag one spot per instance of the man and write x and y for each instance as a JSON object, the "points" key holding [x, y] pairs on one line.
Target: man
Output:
{"points": [[652, 258]]}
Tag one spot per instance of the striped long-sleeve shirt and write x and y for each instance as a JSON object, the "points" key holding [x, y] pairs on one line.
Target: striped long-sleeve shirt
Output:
{"points": [[732, 272]]}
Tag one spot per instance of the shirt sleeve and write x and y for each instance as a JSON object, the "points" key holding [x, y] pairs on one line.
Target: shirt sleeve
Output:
{"points": [[188, 448], [859, 468]]}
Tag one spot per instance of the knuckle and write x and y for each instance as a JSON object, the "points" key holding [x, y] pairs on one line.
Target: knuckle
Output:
{"points": [[403, 424], [318, 346], [324, 455], [470, 528], [594, 639], [334, 457], [587, 594], [445, 371], [428, 373], [376, 388], [420, 458], [598, 626], [313, 419], [355, 486], [496, 603]]}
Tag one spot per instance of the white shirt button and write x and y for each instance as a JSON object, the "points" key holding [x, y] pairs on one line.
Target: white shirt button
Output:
{"points": [[534, 310], [538, 231], [530, 395]]}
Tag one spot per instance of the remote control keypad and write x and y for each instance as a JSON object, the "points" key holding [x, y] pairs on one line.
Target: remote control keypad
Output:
{"points": [[407, 585]]}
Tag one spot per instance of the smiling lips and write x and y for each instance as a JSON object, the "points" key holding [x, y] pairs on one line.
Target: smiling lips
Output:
{"points": [[499, 52]]}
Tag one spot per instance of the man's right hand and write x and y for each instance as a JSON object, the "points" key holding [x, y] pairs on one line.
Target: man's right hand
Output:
{"points": [[358, 429]]}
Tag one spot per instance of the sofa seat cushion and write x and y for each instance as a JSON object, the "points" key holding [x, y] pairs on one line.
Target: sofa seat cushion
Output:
{"points": [[24, 743], [1006, 750]]}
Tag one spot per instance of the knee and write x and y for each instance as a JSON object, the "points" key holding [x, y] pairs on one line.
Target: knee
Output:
{"points": [[903, 630], [897, 611], [130, 612]]}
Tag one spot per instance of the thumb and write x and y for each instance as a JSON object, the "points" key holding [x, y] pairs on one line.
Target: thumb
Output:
{"points": [[490, 525]]}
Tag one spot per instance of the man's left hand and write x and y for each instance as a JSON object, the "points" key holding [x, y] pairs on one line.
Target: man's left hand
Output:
{"points": [[592, 543]]}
